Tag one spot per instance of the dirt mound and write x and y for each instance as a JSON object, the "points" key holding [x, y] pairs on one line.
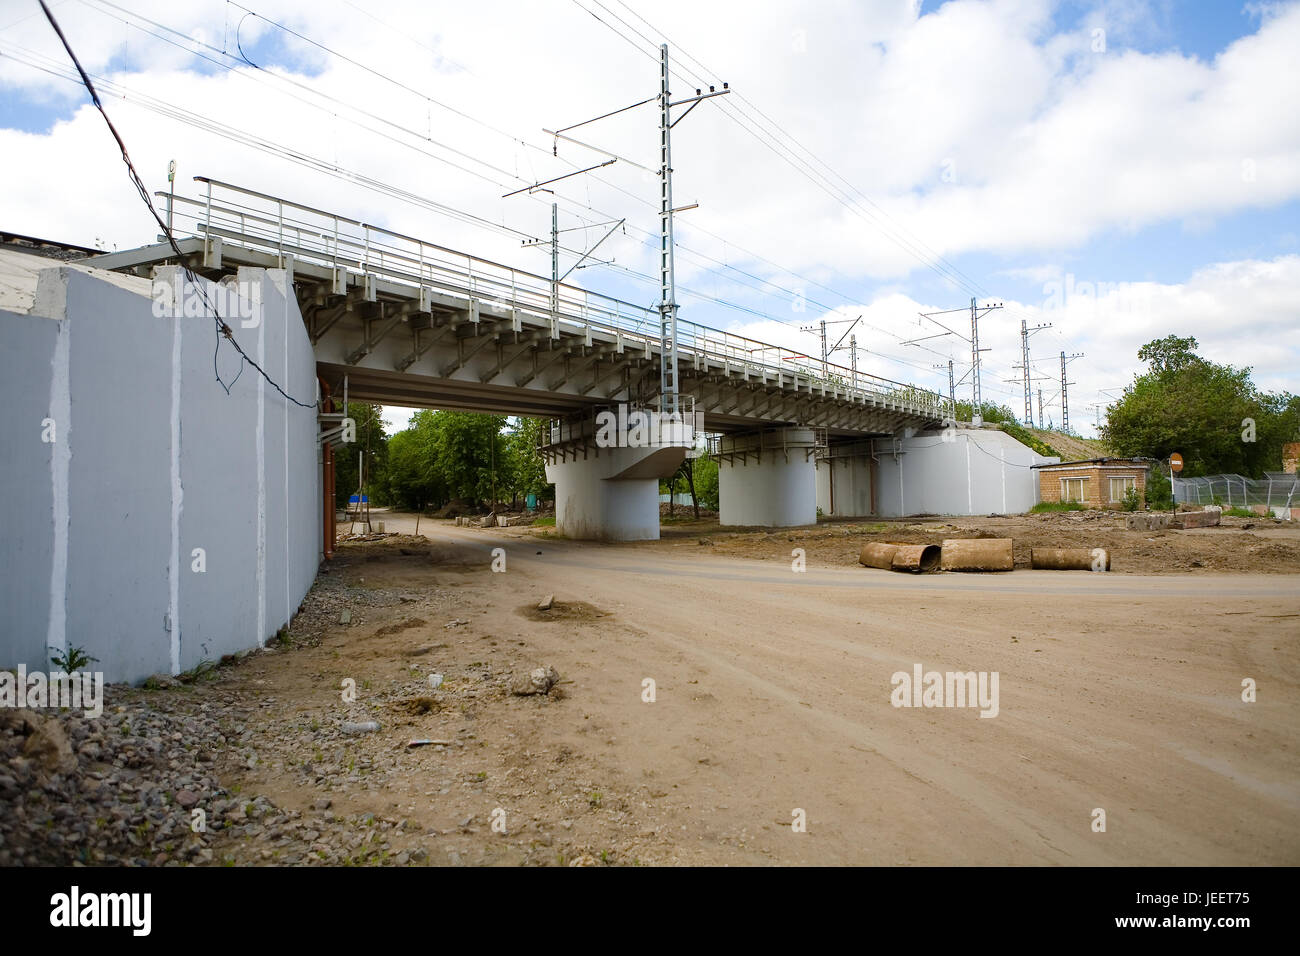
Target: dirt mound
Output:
{"points": [[579, 611]]}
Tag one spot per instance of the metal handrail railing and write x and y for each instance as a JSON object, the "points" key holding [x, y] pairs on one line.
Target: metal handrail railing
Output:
{"points": [[281, 226]]}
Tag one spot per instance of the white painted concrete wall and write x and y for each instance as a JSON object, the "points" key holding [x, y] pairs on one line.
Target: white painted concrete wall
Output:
{"points": [[593, 508], [844, 486], [612, 493], [152, 459], [981, 471]]}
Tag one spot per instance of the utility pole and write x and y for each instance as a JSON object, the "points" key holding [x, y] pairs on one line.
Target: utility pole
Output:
{"points": [[556, 278], [1025, 332], [976, 411], [976, 313], [820, 329], [829, 350], [668, 381], [853, 352], [952, 388], [1065, 391], [1040, 407], [171, 192], [667, 274], [555, 268], [1024, 362]]}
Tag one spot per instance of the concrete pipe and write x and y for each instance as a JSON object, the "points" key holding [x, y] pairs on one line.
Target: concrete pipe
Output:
{"points": [[977, 554], [1070, 559], [877, 554], [917, 558]]}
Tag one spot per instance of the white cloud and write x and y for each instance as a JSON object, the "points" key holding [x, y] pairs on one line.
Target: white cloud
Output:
{"points": [[1241, 313], [973, 126]]}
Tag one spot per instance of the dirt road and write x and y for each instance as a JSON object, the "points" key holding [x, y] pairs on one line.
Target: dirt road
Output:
{"points": [[773, 694]]}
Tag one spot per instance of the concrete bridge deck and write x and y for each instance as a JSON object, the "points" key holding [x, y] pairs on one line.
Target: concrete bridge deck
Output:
{"points": [[413, 323]]}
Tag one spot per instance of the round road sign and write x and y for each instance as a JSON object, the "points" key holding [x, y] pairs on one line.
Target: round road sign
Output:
{"points": [[1176, 461]]}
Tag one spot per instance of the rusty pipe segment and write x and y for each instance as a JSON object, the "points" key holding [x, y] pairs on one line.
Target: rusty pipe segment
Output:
{"points": [[1069, 559], [878, 554], [977, 554], [917, 558]]}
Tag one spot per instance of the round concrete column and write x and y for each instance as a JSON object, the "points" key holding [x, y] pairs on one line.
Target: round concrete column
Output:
{"points": [[768, 479]]}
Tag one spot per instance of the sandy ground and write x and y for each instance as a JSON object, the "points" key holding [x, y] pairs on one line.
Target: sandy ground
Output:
{"points": [[1239, 544], [772, 694]]}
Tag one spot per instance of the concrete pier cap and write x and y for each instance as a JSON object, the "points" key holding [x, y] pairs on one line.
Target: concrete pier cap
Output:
{"points": [[768, 478], [606, 467]]}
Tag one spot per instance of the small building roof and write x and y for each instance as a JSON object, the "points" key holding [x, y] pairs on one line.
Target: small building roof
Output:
{"points": [[1142, 460]]}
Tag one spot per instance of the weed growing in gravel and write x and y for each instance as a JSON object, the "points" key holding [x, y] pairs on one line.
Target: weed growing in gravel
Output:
{"points": [[203, 670], [74, 659]]}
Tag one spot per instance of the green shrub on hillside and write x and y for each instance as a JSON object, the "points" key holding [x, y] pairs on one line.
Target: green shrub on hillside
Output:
{"points": [[1017, 431]]}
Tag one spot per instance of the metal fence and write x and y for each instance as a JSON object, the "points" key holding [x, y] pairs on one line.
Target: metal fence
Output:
{"points": [[1275, 490]]}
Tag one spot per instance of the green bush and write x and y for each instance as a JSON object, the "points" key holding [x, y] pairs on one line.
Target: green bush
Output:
{"points": [[1159, 493], [1131, 500], [1016, 431], [1043, 507]]}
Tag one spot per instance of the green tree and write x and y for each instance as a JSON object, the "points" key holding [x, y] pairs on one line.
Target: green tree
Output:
{"points": [[410, 480], [444, 455], [525, 471], [1159, 491], [994, 414], [1170, 354], [370, 447], [705, 471], [462, 447], [1205, 411]]}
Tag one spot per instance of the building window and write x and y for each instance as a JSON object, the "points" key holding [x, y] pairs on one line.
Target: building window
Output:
{"points": [[1072, 489], [1119, 487]]}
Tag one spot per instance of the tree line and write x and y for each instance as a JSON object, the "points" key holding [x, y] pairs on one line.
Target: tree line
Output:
{"points": [[482, 459]]}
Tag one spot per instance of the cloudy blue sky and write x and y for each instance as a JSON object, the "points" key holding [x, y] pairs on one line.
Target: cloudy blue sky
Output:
{"points": [[1121, 169]]}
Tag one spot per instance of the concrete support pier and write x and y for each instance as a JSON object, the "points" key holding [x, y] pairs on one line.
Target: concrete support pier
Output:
{"points": [[844, 480], [768, 478], [606, 474]]}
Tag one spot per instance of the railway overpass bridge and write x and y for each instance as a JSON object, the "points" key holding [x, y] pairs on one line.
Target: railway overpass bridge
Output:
{"points": [[398, 320]]}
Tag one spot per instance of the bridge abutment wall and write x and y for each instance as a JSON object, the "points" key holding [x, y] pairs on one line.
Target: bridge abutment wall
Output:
{"points": [[155, 520]]}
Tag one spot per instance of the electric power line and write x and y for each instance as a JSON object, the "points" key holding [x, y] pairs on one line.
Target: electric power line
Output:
{"points": [[221, 328]]}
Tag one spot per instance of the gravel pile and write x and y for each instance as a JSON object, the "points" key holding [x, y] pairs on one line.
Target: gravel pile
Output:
{"points": [[117, 789]]}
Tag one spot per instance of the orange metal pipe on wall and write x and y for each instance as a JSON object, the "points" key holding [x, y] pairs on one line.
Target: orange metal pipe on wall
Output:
{"points": [[328, 530]]}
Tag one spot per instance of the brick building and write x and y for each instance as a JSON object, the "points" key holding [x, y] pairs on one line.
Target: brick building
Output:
{"points": [[1096, 482], [1290, 457]]}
